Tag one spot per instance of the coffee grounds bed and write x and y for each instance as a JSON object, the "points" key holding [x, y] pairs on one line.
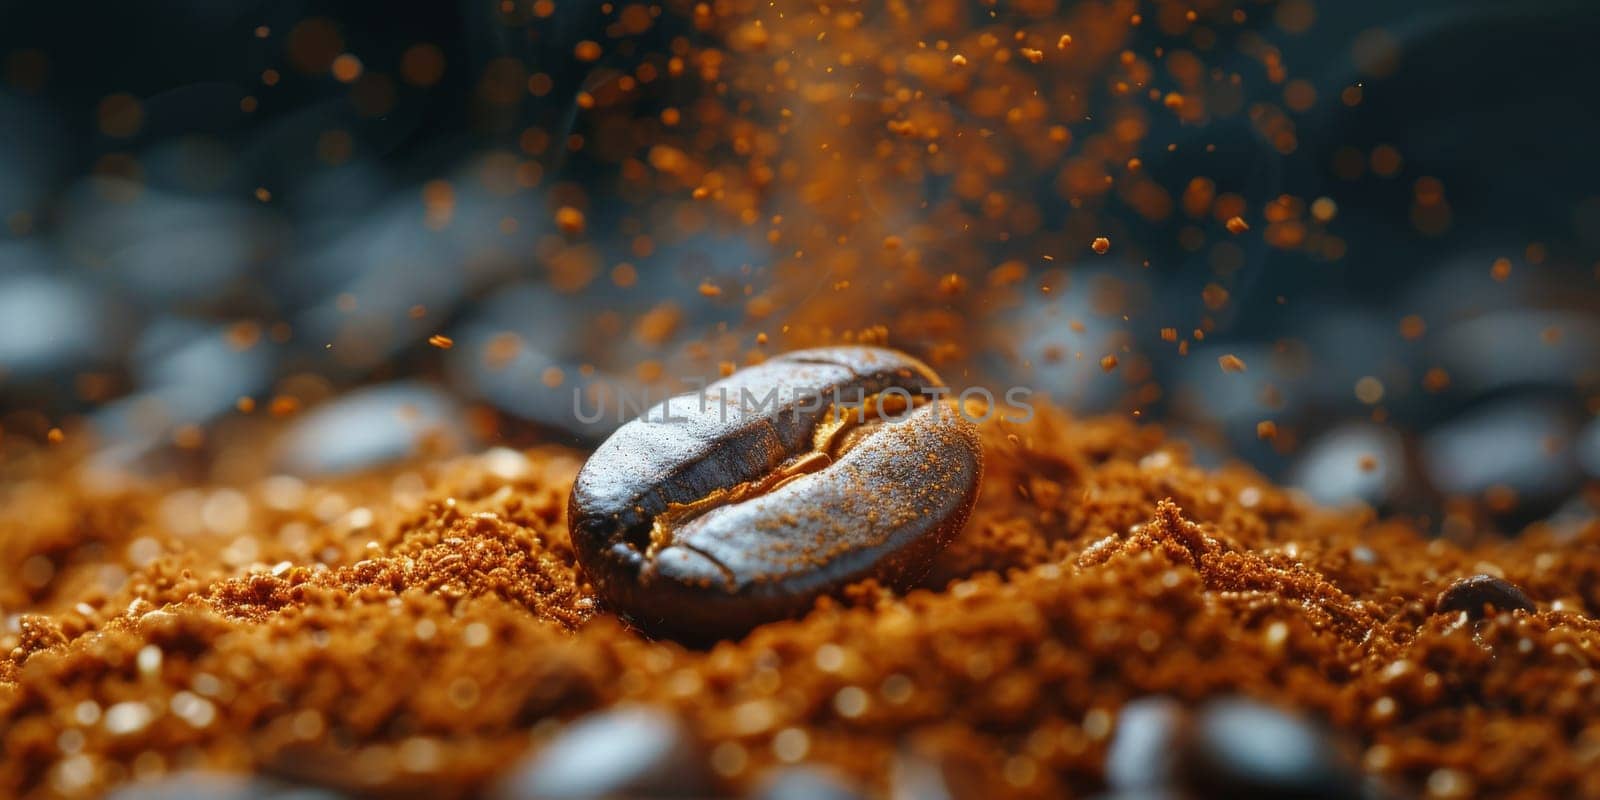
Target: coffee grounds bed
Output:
{"points": [[419, 631]]}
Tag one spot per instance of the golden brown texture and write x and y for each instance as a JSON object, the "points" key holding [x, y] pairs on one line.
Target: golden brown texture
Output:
{"points": [[414, 631]]}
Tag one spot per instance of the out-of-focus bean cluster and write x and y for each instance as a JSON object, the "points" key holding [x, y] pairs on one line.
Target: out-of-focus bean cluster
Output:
{"points": [[1353, 244]]}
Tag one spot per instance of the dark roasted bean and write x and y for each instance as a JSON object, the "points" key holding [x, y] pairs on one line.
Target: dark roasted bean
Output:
{"points": [[1473, 594], [1353, 462], [1240, 748], [1143, 751], [203, 785], [719, 510], [369, 427], [623, 752], [807, 783], [918, 773], [1229, 748], [1516, 448]]}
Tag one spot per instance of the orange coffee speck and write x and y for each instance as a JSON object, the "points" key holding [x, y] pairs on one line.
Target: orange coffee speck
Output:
{"points": [[569, 220], [284, 405], [1436, 380], [1412, 327], [1500, 269]]}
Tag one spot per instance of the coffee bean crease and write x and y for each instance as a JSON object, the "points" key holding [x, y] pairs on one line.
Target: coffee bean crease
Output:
{"points": [[718, 510]]}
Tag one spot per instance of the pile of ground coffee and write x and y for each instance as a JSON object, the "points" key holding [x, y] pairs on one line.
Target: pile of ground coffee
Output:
{"points": [[416, 632]]}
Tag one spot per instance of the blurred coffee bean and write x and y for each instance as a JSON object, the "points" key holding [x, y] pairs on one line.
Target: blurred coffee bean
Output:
{"points": [[721, 258], [516, 351], [1061, 337], [1520, 444], [807, 783], [915, 774], [202, 785], [1219, 410], [195, 165], [327, 203], [383, 237], [385, 281], [163, 249], [1206, 448], [624, 752], [370, 427], [186, 373], [1473, 594], [1229, 748], [719, 510], [49, 324], [1462, 287], [1356, 461], [1239, 748], [1143, 752], [293, 146], [1526, 348], [1343, 346], [199, 371], [537, 315], [1573, 518], [1234, 399], [359, 288]]}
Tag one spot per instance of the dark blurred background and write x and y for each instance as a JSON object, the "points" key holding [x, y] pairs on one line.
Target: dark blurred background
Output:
{"points": [[209, 200]]}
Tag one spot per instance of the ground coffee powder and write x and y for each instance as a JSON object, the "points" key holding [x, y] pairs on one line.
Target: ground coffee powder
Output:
{"points": [[417, 632]]}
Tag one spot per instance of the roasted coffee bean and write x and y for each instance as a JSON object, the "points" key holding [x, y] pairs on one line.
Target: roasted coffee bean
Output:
{"points": [[807, 783], [920, 773], [369, 427], [1239, 748], [1473, 594], [206, 785], [1143, 753], [1229, 748], [719, 510], [623, 752], [1353, 462]]}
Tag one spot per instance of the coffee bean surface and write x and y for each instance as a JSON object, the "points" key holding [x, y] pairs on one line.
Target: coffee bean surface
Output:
{"points": [[636, 751], [1240, 748], [807, 783], [216, 785], [1143, 753], [719, 510], [1473, 594]]}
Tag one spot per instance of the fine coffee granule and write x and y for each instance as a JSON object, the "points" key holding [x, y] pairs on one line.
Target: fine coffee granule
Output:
{"points": [[416, 632]]}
